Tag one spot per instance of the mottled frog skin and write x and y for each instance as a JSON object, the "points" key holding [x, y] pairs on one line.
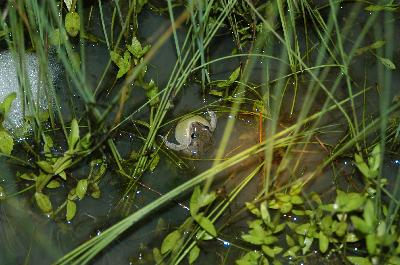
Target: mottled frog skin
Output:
{"points": [[194, 135]]}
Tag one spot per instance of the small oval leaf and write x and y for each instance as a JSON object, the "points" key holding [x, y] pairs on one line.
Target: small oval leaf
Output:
{"points": [[53, 184], [387, 63], [206, 224], [194, 254], [81, 188], [6, 143], [359, 260], [170, 241], [323, 242], [71, 210], [43, 202]]}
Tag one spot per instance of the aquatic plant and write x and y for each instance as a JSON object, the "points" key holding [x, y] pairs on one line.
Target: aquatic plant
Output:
{"points": [[315, 81]]}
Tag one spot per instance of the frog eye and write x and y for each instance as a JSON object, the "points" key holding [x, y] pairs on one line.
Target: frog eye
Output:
{"points": [[193, 135], [208, 128]]}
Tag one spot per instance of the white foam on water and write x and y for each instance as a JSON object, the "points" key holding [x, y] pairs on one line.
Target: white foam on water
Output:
{"points": [[9, 83]]}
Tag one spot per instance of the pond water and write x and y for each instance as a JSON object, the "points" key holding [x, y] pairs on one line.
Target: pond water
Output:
{"points": [[29, 237]]}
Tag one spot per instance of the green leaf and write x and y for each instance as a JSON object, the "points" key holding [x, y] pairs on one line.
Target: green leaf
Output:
{"points": [[323, 242], [84, 143], [279, 228], [271, 252], [6, 104], [296, 188], [73, 137], [381, 229], [42, 180], [268, 240], [53, 184], [6, 143], [289, 240], [56, 38], [194, 254], [351, 238], [315, 197], [326, 223], [328, 207], [374, 159], [285, 207], [387, 63], [152, 93], [45, 166], [369, 214], [123, 63], [48, 144], [251, 258], [207, 198], [256, 225], [203, 236], [362, 166], [282, 197], [232, 78], [215, 92], [253, 239], [347, 202], [394, 260], [253, 209], [296, 199], [75, 60], [376, 8], [199, 200], [71, 210], [360, 224], [307, 244], [72, 194], [157, 256], [258, 236], [303, 229], [136, 48], [371, 241], [170, 241], [43, 202], [28, 176], [340, 228], [206, 224], [291, 251], [358, 260], [61, 164], [81, 188], [154, 162], [96, 193], [72, 23], [264, 213], [63, 175], [376, 45], [194, 201]]}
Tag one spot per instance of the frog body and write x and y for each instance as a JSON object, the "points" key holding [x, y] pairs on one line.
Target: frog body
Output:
{"points": [[194, 135]]}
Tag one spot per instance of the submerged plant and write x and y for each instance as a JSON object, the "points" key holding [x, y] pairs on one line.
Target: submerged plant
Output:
{"points": [[288, 73]]}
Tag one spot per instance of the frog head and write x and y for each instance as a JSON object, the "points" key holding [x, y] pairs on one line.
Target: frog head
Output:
{"points": [[200, 139]]}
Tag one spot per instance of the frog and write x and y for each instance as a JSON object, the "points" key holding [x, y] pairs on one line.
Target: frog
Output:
{"points": [[194, 135]]}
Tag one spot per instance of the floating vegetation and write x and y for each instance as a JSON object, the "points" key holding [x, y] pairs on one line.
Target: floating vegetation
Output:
{"points": [[301, 168]]}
